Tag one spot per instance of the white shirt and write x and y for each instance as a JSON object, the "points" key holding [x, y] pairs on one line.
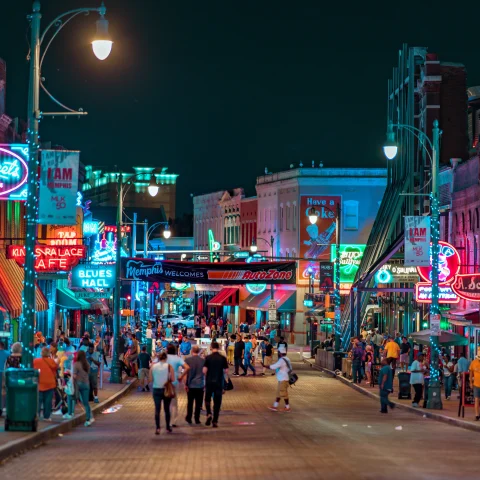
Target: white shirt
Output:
{"points": [[160, 374], [416, 378], [282, 368], [207, 330], [148, 333], [446, 371]]}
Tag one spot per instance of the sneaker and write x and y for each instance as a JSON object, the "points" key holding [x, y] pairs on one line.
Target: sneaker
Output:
{"points": [[87, 423], [198, 422], [169, 429], [92, 420], [263, 375], [273, 409], [147, 388], [96, 400], [287, 409], [243, 374], [67, 416], [143, 389], [414, 404], [188, 421], [235, 375], [383, 411], [215, 425], [47, 419], [57, 412], [209, 421], [448, 398]]}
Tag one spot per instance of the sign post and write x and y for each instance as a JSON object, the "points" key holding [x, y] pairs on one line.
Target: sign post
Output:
{"points": [[272, 312]]}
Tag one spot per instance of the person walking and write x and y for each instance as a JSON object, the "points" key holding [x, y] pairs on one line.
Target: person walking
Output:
{"points": [[417, 379], [81, 370], [282, 368], [247, 357], [385, 382], [185, 348], [377, 340], [392, 353], [238, 354], [405, 348], [215, 369], [161, 373], [357, 359], [47, 382], [144, 361], [462, 367], [267, 359], [194, 384], [3, 361], [282, 346], [231, 350], [93, 359], [176, 363]]}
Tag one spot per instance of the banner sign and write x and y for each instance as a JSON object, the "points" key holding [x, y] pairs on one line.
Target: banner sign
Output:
{"points": [[93, 276], [58, 187], [49, 258], [226, 273], [350, 259], [326, 276], [13, 172], [417, 241], [316, 239], [84, 294], [423, 293], [467, 286]]}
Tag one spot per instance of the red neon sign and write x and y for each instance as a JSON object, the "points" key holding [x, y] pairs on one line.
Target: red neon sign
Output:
{"points": [[49, 258], [423, 293], [113, 228], [448, 264], [467, 286]]}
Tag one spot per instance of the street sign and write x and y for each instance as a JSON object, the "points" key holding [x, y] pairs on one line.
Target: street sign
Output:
{"points": [[326, 322], [272, 310], [435, 325], [242, 254], [104, 294]]}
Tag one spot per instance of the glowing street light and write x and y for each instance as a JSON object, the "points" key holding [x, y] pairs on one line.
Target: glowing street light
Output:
{"points": [[102, 44]]}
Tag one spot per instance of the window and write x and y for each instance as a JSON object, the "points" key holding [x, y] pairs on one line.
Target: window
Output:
{"points": [[470, 226], [281, 217], [463, 222], [288, 215], [350, 215], [294, 223], [476, 218]]}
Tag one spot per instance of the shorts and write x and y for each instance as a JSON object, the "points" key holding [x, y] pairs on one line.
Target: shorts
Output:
{"points": [[267, 361], [404, 358], [143, 373], [93, 378], [476, 392], [282, 389]]}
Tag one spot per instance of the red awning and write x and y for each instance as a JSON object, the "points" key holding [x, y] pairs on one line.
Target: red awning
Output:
{"points": [[226, 296], [285, 300], [11, 288], [255, 302]]}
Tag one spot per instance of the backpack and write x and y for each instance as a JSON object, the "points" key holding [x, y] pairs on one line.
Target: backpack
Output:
{"points": [[292, 376]]}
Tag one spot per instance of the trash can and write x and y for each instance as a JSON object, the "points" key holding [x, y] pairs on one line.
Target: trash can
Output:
{"points": [[404, 388], [22, 399]]}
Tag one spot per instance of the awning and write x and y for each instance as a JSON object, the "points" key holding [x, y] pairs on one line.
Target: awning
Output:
{"points": [[11, 288], [254, 302], [226, 296], [96, 304], [286, 301], [66, 298], [471, 316]]}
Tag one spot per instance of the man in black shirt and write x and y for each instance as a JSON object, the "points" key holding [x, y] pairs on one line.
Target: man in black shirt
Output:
{"points": [[238, 354], [144, 360], [284, 348], [216, 366], [404, 354], [267, 361]]}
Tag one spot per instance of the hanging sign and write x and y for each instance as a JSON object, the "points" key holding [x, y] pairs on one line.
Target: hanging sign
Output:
{"points": [[423, 293], [86, 294], [448, 264], [435, 324], [49, 258], [417, 241], [326, 276], [13, 172], [393, 273], [227, 273], [93, 276], [91, 228], [467, 286], [350, 259], [58, 187]]}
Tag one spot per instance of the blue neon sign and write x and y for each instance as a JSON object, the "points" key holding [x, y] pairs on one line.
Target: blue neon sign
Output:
{"points": [[93, 276], [91, 228]]}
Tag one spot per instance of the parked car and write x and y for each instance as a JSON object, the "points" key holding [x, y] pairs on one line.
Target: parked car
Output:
{"points": [[175, 319], [170, 317]]}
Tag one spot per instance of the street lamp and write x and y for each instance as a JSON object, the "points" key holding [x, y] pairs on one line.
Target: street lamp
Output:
{"points": [[313, 217], [167, 233], [33, 118], [116, 372], [102, 45], [434, 397]]}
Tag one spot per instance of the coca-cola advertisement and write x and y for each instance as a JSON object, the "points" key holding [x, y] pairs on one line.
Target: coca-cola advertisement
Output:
{"points": [[316, 239]]}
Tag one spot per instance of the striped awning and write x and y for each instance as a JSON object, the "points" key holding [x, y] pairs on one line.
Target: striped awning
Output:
{"points": [[11, 288]]}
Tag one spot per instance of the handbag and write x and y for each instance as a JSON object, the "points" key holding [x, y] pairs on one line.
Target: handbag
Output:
{"points": [[228, 384], [292, 376], [169, 389]]}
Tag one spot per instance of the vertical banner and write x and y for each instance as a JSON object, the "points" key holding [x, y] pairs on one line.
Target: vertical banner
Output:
{"points": [[326, 276], [58, 187], [316, 239], [417, 241]]}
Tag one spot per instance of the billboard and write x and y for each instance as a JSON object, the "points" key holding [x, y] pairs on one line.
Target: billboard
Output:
{"points": [[226, 273], [58, 187], [316, 240], [13, 172], [417, 241]]}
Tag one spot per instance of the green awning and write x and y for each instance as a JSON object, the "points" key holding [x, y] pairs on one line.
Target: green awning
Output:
{"points": [[66, 299]]}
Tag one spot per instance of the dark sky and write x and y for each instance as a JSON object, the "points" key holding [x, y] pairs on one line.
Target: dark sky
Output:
{"points": [[219, 90]]}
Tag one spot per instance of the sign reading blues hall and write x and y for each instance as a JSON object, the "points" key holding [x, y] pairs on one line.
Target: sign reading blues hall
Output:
{"points": [[93, 276], [13, 172]]}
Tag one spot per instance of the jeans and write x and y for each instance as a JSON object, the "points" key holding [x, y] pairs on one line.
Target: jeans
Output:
{"points": [[158, 396], [194, 395], [418, 387], [1, 392], [238, 364], [448, 381], [217, 393], [174, 407], [45, 399], [356, 372], [83, 392], [384, 401], [247, 365], [71, 401]]}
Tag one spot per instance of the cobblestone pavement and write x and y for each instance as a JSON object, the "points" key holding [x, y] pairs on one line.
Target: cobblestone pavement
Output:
{"points": [[331, 432]]}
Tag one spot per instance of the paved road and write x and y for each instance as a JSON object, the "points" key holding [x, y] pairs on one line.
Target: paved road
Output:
{"points": [[332, 432]]}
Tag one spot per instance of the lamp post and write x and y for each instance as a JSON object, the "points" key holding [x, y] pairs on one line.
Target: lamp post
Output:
{"points": [[115, 372], [313, 217], [102, 46], [254, 248], [390, 148]]}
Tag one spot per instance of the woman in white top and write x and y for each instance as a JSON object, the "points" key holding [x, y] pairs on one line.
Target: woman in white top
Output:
{"points": [[447, 376], [160, 373]]}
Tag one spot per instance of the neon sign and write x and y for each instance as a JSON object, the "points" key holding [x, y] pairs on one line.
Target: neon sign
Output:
{"points": [[13, 172], [49, 258], [350, 259], [448, 264], [467, 286], [93, 276], [423, 293], [256, 288], [91, 228], [113, 228], [180, 286]]}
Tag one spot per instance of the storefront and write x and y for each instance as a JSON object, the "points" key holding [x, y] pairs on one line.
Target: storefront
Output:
{"points": [[225, 304]]}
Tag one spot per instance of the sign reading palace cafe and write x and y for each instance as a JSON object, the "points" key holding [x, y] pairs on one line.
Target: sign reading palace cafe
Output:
{"points": [[227, 273], [49, 258]]}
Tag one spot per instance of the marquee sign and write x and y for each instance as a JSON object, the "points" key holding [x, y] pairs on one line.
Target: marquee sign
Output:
{"points": [[423, 293], [448, 264], [13, 172], [467, 286], [93, 276], [49, 258], [227, 273]]}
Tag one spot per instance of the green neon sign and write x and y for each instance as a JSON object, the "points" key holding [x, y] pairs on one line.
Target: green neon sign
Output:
{"points": [[350, 258]]}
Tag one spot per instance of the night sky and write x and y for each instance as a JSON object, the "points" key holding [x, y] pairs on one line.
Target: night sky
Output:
{"points": [[219, 90]]}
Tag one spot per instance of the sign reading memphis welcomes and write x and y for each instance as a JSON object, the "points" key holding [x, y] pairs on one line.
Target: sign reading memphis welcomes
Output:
{"points": [[227, 273]]}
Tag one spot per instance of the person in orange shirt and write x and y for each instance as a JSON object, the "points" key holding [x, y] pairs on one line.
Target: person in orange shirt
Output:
{"points": [[392, 353], [475, 384], [47, 382]]}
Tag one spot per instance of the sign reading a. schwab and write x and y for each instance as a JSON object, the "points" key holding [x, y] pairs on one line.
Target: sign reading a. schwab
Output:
{"points": [[93, 276], [13, 172]]}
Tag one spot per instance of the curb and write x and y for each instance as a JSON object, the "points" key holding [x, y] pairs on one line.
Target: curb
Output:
{"points": [[422, 412], [19, 446]]}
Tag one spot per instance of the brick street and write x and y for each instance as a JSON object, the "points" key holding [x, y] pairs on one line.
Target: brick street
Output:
{"points": [[332, 432]]}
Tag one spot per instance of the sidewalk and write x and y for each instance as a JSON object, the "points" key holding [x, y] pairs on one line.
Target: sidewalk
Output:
{"points": [[14, 443], [449, 413]]}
